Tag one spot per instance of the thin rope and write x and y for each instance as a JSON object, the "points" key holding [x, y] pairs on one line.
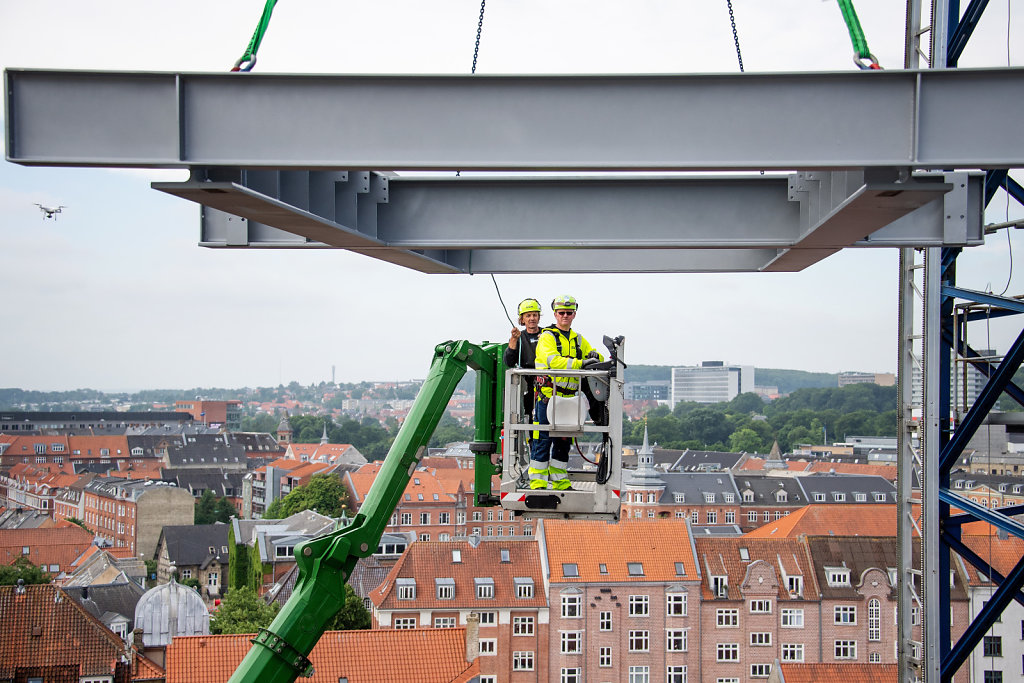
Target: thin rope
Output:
{"points": [[504, 309]]}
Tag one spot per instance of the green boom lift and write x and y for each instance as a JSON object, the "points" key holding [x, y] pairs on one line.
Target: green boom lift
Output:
{"points": [[280, 652]]}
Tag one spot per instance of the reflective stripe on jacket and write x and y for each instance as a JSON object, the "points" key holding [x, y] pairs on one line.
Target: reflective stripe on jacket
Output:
{"points": [[557, 350]]}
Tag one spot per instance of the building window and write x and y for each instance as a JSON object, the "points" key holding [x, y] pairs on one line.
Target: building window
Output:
{"points": [[728, 652], [639, 641], [792, 652], [635, 568], [487, 618], [760, 670], [730, 517], [795, 585], [727, 618], [445, 589], [571, 675], [752, 516], [572, 642], [406, 518], [837, 576], [875, 658], [767, 516], [488, 646], [405, 622], [675, 604], [639, 605], [874, 620], [993, 677], [444, 518], [572, 606], [760, 606], [484, 588], [604, 657], [993, 646], [521, 626], [406, 589], [570, 570], [444, 622], [605, 621], [186, 573], [844, 615], [792, 618], [675, 640], [761, 638], [694, 517], [675, 674], [639, 674], [720, 586], [522, 660], [846, 649], [524, 588]]}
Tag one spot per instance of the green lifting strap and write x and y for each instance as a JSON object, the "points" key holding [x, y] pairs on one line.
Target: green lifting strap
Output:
{"points": [[248, 59], [860, 43]]}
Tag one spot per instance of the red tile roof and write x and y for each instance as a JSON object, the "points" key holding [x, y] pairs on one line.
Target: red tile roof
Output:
{"points": [[425, 655], [427, 560], [722, 557], [1001, 553], [657, 544], [44, 627], [56, 545], [839, 673], [872, 519], [885, 471], [147, 670]]}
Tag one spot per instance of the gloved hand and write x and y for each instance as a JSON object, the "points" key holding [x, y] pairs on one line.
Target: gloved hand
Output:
{"points": [[589, 361], [593, 354]]}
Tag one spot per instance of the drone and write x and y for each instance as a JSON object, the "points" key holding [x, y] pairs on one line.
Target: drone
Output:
{"points": [[50, 212]]}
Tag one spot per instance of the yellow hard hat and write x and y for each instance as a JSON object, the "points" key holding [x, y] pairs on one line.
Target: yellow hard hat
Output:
{"points": [[529, 306], [566, 301]]}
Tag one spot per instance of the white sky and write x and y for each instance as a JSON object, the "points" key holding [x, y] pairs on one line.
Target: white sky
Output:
{"points": [[116, 295]]}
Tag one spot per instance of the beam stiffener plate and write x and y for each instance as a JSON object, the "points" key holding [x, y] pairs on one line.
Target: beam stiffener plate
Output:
{"points": [[529, 224], [752, 121]]}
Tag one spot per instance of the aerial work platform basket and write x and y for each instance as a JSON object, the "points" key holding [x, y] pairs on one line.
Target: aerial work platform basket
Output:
{"points": [[595, 455]]}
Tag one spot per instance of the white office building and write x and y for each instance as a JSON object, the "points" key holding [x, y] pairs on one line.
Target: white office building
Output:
{"points": [[713, 381]]}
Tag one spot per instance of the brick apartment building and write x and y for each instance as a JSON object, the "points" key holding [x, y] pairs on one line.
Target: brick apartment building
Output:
{"points": [[227, 414], [439, 584], [643, 601], [127, 513]]}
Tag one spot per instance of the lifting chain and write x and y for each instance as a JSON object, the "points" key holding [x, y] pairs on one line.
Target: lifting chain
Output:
{"points": [[479, 30], [735, 36]]}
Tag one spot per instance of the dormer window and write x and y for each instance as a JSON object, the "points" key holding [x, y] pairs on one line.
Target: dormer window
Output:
{"points": [[795, 585], [720, 586], [729, 497], [837, 577], [406, 589], [748, 496], [879, 497], [1016, 488], [679, 497], [484, 588], [959, 484], [709, 497], [860, 497], [819, 497], [839, 497], [445, 588], [524, 587]]}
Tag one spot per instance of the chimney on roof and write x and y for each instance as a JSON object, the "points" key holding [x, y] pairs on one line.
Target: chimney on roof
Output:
{"points": [[472, 636]]}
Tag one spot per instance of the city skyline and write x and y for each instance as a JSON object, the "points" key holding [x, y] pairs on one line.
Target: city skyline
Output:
{"points": [[113, 292]]}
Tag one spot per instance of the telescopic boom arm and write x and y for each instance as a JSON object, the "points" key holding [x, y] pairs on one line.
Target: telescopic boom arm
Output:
{"points": [[280, 653]]}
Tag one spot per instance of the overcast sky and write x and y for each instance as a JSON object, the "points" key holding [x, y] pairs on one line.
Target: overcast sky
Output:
{"points": [[116, 295]]}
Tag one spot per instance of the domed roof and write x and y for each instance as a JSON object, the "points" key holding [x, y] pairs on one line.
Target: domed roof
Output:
{"points": [[171, 610]]}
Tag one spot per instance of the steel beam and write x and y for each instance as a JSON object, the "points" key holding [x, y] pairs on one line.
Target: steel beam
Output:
{"points": [[621, 122], [507, 225]]}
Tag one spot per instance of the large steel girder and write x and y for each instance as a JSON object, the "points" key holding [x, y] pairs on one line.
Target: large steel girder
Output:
{"points": [[585, 224]]}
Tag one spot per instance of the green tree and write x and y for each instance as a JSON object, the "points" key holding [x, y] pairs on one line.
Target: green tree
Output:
{"points": [[449, 430], [261, 422], [242, 611], [324, 493], [353, 615], [22, 569], [211, 509], [746, 440]]}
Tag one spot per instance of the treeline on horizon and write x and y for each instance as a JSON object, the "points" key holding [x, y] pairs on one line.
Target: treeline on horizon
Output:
{"points": [[10, 398]]}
